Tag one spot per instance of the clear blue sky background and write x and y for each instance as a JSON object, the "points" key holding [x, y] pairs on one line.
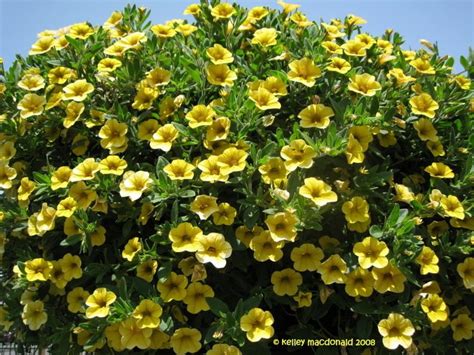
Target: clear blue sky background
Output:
{"points": [[449, 22]]}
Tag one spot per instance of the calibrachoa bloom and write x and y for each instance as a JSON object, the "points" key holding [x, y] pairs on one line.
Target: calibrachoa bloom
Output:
{"points": [[213, 181]]}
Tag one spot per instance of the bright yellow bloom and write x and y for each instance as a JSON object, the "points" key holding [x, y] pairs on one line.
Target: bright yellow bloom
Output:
{"points": [[147, 128], [362, 134], [273, 171], [300, 19], [204, 206], [364, 84], [147, 314], [42, 45], [71, 266], [426, 130], [315, 115], [186, 340], [74, 111], [332, 31], [200, 115], [220, 74], [211, 170], [333, 270], [76, 300], [80, 31], [356, 210], [466, 271], [186, 29], [66, 207], [219, 55], [264, 99], [31, 105], [354, 151], [144, 98], [222, 11], [184, 237], [173, 288], [245, 235], [396, 330], [422, 66], [389, 278], [45, 219], [193, 9], [440, 170], [133, 40], [265, 37], [38, 269], [223, 349], [339, 65], [31, 82], [265, 248], [98, 304], [286, 282], [213, 249], [435, 308], [33, 315], [132, 247], [359, 282], [134, 184], [25, 189], [428, 261], [158, 77], [164, 137], [297, 155], [77, 90], [282, 226], [232, 160], [287, 7], [83, 195], [403, 193], [306, 257], [355, 48], [108, 65], [7, 151], [196, 295], [224, 215], [134, 336], [462, 327], [85, 170], [219, 129], [304, 71], [147, 270], [436, 148], [371, 252], [57, 275], [423, 104], [304, 299], [463, 82], [7, 174], [113, 164], [317, 191], [452, 207], [400, 76], [257, 323], [179, 169]]}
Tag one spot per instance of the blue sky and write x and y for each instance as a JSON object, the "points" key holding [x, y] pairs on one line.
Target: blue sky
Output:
{"points": [[449, 22]]}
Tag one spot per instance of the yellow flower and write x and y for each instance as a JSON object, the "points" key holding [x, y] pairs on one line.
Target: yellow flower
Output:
{"points": [[422, 66], [304, 71], [108, 65], [71, 266], [179, 169], [332, 31], [317, 191], [223, 349], [184, 237], [365, 38], [462, 327], [222, 11], [466, 272], [163, 31], [61, 75], [282, 226], [428, 261], [193, 9], [213, 249], [211, 171], [31, 82], [265, 37], [45, 219], [306, 257], [33, 315], [245, 235], [333, 270], [85, 170], [186, 29], [158, 77], [355, 48], [66, 207], [388, 278], [83, 195], [113, 164], [275, 85], [273, 170], [80, 31], [25, 189], [264, 99], [396, 330], [186, 340], [38, 269], [164, 137], [297, 155], [304, 299], [287, 7], [359, 282], [224, 215], [133, 40], [265, 248], [220, 74], [286, 282], [77, 90], [98, 304], [200, 115], [403, 193], [42, 45], [196, 295], [134, 184], [452, 207], [435, 308], [436, 148], [426, 130], [147, 270], [74, 111], [76, 299], [257, 324], [356, 210], [204, 206], [147, 314], [57, 275], [315, 115], [173, 288], [7, 175], [364, 84], [371, 252], [132, 247], [331, 47], [7, 151], [354, 151], [300, 19], [232, 160], [219, 55], [144, 98], [218, 130], [400, 76], [31, 105], [440, 170], [463, 82], [339, 65], [423, 104], [134, 336]]}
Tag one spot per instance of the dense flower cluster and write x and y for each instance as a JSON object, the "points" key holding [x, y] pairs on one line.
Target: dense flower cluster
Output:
{"points": [[204, 186]]}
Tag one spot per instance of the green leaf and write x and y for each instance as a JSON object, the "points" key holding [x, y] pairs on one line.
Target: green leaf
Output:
{"points": [[218, 307], [71, 240], [393, 217], [375, 231]]}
